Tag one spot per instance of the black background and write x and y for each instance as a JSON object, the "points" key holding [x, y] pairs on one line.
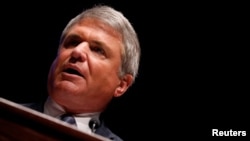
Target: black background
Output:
{"points": [[193, 76]]}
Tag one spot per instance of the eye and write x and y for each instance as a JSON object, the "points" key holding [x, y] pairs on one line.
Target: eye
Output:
{"points": [[98, 50], [71, 43]]}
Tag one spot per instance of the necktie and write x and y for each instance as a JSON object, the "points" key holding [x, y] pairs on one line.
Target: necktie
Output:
{"points": [[68, 118]]}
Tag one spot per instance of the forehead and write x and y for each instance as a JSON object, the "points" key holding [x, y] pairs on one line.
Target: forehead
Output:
{"points": [[94, 26], [95, 30], [98, 24]]}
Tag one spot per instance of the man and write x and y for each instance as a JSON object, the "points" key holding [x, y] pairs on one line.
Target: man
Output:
{"points": [[97, 60]]}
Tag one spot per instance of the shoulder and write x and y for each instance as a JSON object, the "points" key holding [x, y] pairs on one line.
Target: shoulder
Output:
{"points": [[38, 106], [103, 130]]}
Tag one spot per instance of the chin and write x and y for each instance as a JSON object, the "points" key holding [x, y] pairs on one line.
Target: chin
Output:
{"points": [[66, 86], [63, 97]]}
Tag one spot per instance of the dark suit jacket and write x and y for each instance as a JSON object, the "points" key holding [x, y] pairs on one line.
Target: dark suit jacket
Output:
{"points": [[102, 130]]}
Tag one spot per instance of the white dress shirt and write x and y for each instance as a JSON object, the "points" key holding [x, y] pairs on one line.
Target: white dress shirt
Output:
{"points": [[82, 120]]}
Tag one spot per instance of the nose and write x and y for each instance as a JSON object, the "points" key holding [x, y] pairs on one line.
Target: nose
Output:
{"points": [[79, 53]]}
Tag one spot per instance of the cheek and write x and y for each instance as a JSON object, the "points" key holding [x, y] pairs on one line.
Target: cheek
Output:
{"points": [[56, 66], [60, 59], [108, 74], [105, 69], [52, 71]]}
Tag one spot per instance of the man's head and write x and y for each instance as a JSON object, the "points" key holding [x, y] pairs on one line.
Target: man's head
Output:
{"points": [[98, 59]]}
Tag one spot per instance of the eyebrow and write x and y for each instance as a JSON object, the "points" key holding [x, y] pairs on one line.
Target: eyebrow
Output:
{"points": [[91, 42], [73, 36], [101, 44]]}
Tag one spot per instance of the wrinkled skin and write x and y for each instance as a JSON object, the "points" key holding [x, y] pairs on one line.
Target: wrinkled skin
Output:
{"points": [[84, 76]]}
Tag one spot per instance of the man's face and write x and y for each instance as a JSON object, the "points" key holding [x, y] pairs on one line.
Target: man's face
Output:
{"points": [[84, 75]]}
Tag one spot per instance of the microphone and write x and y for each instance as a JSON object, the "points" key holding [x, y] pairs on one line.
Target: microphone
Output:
{"points": [[93, 124]]}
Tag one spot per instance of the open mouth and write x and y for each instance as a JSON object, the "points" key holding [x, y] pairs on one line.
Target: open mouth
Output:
{"points": [[73, 71]]}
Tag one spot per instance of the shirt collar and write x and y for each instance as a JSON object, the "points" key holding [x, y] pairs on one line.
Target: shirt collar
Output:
{"points": [[52, 108], [82, 120], [55, 110]]}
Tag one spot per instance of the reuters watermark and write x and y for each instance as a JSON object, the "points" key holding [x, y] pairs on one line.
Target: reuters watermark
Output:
{"points": [[231, 132]]}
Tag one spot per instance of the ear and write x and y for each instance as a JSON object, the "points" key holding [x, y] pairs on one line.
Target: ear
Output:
{"points": [[125, 83]]}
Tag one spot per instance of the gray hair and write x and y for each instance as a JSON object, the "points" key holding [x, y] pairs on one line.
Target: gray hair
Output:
{"points": [[131, 51]]}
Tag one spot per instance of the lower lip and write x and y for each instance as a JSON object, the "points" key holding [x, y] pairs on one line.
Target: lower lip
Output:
{"points": [[68, 75]]}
